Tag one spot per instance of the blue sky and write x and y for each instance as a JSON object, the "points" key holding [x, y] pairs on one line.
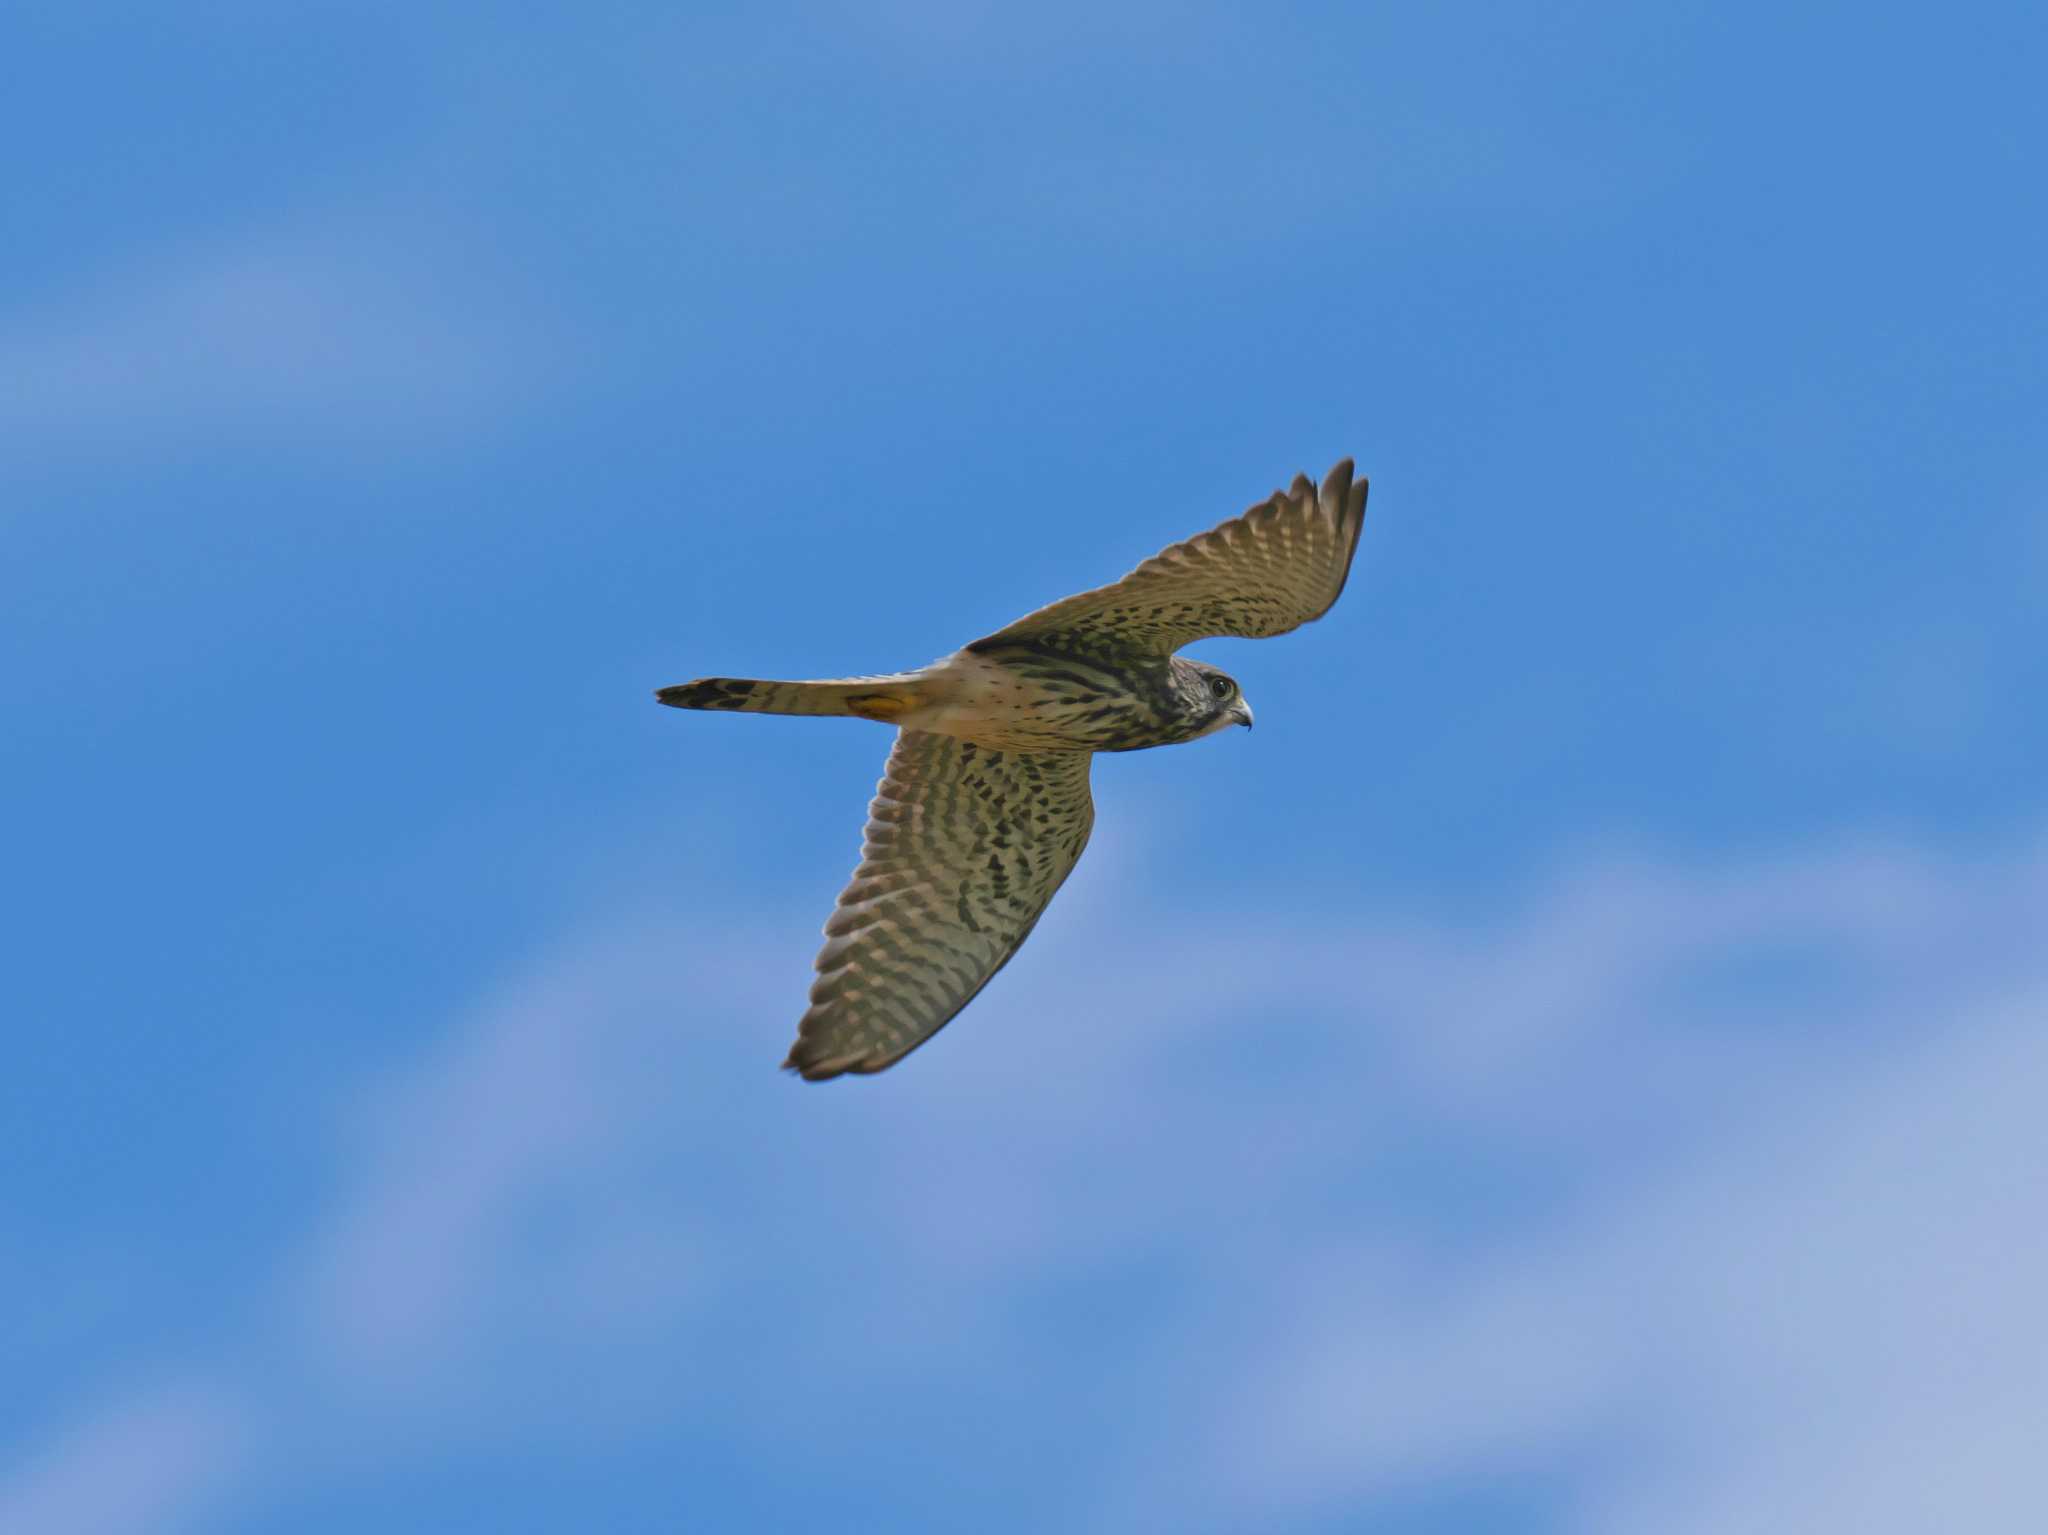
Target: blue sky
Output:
{"points": [[1575, 1067]]}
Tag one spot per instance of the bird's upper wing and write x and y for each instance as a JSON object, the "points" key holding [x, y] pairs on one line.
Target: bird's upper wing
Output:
{"points": [[1270, 570], [964, 848]]}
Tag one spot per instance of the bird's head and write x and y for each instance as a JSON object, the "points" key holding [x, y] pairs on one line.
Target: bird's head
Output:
{"points": [[1210, 698]]}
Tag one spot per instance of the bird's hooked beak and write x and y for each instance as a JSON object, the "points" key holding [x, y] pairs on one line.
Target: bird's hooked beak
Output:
{"points": [[1242, 713]]}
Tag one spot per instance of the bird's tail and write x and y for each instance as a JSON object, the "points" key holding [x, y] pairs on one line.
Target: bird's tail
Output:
{"points": [[869, 698]]}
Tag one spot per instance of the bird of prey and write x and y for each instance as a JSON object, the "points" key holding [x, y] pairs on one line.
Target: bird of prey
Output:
{"points": [[984, 806]]}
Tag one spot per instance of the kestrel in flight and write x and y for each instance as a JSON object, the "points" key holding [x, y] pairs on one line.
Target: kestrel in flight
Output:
{"points": [[984, 807]]}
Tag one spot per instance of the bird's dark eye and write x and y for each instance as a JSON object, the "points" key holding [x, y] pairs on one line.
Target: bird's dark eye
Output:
{"points": [[1222, 687]]}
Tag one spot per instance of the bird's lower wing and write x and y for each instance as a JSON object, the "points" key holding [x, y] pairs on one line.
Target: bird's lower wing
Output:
{"points": [[964, 848], [1272, 569]]}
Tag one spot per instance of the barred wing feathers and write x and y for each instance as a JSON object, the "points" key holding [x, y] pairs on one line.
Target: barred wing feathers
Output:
{"points": [[964, 848], [1272, 569]]}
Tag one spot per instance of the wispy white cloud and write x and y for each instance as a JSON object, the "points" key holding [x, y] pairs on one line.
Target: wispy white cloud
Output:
{"points": [[1766, 1227], [529, 1104], [1822, 1324], [344, 331], [1802, 1298], [154, 1455]]}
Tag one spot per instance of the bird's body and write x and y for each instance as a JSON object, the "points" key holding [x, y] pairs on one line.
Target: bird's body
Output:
{"points": [[985, 807], [1017, 696]]}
